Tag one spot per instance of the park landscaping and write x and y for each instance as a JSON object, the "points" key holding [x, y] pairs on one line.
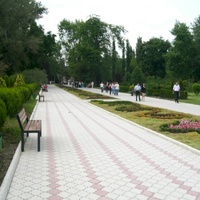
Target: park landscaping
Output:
{"points": [[149, 117]]}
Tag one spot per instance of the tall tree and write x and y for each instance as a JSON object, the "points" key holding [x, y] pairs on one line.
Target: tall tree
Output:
{"points": [[196, 34], [180, 59], [139, 51], [17, 17], [153, 57], [88, 45], [123, 61], [129, 56]]}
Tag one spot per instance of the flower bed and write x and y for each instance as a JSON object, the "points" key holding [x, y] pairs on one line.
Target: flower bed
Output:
{"points": [[182, 126]]}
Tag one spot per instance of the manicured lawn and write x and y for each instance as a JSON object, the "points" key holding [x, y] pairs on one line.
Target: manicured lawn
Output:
{"points": [[192, 98]]}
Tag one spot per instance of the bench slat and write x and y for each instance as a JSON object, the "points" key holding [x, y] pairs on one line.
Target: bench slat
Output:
{"points": [[33, 125]]}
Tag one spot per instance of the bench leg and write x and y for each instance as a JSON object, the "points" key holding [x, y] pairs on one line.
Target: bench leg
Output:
{"points": [[41, 98], [39, 135], [22, 141]]}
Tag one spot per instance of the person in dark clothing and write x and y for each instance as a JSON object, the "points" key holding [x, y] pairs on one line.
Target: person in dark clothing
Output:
{"points": [[143, 91]]}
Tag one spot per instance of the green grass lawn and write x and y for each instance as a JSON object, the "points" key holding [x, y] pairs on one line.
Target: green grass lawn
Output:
{"points": [[192, 98]]}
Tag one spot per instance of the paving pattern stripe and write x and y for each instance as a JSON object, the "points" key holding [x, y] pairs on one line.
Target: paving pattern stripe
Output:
{"points": [[151, 163], [85, 163], [90, 173], [144, 187], [51, 161]]}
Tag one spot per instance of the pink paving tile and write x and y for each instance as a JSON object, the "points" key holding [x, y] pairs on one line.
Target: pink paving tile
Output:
{"points": [[97, 186], [55, 198], [101, 193], [54, 191], [147, 193]]}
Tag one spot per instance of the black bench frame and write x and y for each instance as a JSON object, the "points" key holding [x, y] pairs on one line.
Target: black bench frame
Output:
{"points": [[41, 96], [29, 126]]}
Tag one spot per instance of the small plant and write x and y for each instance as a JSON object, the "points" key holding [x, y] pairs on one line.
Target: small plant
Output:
{"points": [[182, 126], [19, 81], [196, 88], [2, 83]]}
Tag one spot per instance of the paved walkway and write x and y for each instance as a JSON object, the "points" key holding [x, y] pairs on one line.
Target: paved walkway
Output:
{"points": [[88, 154], [155, 102]]}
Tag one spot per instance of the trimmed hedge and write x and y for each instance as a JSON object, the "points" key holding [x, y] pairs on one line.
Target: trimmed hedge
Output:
{"points": [[15, 97], [3, 113]]}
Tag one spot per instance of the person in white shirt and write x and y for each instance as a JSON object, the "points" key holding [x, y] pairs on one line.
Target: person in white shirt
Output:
{"points": [[101, 86], [176, 90], [137, 90], [116, 88]]}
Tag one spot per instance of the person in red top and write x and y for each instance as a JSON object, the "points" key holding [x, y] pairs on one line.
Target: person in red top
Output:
{"points": [[176, 90]]}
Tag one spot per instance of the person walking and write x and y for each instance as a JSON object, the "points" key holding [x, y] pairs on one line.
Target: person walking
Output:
{"points": [[110, 88], [137, 90], [101, 86], [143, 91], [116, 88], [176, 90]]}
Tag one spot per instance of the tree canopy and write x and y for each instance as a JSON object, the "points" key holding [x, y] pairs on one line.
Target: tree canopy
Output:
{"points": [[89, 48]]}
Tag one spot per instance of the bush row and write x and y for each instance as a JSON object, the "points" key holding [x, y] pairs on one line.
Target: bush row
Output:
{"points": [[12, 100], [166, 93]]}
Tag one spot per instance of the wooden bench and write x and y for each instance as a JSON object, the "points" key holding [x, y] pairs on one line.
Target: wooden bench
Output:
{"points": [[29, 126], [41, 96]]}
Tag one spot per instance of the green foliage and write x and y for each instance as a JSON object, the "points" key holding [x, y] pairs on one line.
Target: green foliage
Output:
{"points": [[2, 83], [90, 48], [14, 98], [10, 80], [124, 88], [196, 34], [153, 57], [19, 81], [137, 76], [180, 59], [3, 113], [131, 87], [196, 88], [18, 40], [35, 76]]}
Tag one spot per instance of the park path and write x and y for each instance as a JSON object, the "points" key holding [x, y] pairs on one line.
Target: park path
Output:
{"points": [[90, 154], [155, 102]]}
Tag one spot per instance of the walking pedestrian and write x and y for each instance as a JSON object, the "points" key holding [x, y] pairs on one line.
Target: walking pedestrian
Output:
{"points": [[137, 90], [116, 88], [176, 90], [143, 91], [101, 86]]}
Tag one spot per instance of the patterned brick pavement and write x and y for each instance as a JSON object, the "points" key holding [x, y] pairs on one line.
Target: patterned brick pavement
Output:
{"points": [[88, 154]]}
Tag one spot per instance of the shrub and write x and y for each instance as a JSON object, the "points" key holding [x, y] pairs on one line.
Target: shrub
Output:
{"points": [[19, 81], [196, 88], [2, 83], [35, 76], [3, 113]]}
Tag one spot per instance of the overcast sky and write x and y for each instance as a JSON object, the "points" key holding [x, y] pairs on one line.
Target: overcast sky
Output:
{"points": [[141, 18]]}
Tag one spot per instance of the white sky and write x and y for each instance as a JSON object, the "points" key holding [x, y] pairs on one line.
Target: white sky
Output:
{"points": [[141, 18]]}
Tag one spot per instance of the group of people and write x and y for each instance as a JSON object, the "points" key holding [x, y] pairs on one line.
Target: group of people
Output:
{"points": [[138, 90], [112, 88]]}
